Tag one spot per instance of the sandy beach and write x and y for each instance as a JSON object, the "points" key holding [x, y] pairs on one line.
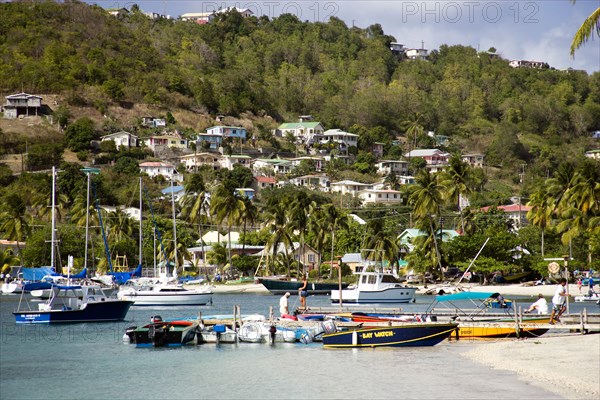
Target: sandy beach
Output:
{"points": [[566, 365]]}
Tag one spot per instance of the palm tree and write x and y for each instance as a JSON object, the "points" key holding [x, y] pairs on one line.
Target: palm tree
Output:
{"points": [[457, 182], [586, 30], [227, 206], [14, 221], [316, 226], [249, 215], [381, 246], [299, 216], [542, 208], [334, 219], [414, 129], [194, 205], [7, 258], [560, 184], [119, 226], [278, 223]]}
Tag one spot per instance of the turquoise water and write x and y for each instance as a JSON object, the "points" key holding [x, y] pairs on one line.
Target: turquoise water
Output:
{"points": [[90, 361]]}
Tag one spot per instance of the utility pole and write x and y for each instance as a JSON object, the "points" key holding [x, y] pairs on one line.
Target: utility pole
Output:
{"points": [[522, 182]]}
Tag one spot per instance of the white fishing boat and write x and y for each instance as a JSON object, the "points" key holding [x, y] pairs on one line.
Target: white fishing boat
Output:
{"points": [[375, 287], [13, 287], [588, 297], [166, 294]]}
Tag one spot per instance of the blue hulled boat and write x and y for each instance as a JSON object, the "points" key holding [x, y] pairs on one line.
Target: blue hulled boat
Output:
{"points": [[410, 334], [66, 305], [280, 286]]}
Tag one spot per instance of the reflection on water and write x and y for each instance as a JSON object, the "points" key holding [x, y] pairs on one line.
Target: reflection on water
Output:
{"points": [[90, 361]]}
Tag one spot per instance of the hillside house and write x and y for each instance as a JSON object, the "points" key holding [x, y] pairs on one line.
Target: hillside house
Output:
{"points": [[386, 167], [416, 54], [178, 191], [194, 161], [132, 212], [306, 255], [349, 187], [380, 196], [300, 130], [408, 235], [173, 140], [216, 135], [245, 192], [431, 156], [158, 168], [264, 182], [313, 182], [199, 18], [517, 213], [316, 162], [593, 154], [339, 136], [276, 166], [122, 138], [528, 64], [474, 160], [118, 12], [397, 49], [22, 104], [153, 122], [229, 162]]}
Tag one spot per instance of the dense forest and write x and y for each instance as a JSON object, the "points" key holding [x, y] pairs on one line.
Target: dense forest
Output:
{"points": [[347, 78]]}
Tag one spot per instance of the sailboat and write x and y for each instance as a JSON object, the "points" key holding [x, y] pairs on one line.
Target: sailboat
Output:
{"points": [[166, 291], [71, 303]]}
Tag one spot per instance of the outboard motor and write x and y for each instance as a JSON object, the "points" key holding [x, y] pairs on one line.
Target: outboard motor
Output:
{"points": [[129, 336], [272, 332], [156, 318], [157, 334]]}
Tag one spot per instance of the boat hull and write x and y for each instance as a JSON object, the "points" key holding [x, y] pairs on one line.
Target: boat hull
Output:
{"points": [[150, 298], [418, 334], [494, 331], [164, 334], [277, 286], [105, 311], [389, 295]]}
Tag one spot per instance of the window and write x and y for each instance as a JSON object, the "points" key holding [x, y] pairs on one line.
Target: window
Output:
{"points": [[311, 258]]}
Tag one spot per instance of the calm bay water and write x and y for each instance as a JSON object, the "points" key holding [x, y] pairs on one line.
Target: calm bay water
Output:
{"points": [[90, 361]]}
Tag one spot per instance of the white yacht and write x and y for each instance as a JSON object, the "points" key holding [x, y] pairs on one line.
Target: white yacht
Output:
{"points": [[165, 294], [375, 287]]}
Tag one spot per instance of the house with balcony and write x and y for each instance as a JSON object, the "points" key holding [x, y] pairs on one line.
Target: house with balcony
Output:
{"points": [[122, 138], [300, 130], [416, 54], [474, 160], [349, 187], [229, 162], [172, 140], [277, 166], [386, 167], [199, 18], [313, 182], [216, 135], [195, 161], [159, 168], [380, 196], [433, 157], [339, 136], [22, 105], [153, 122], [517, 213]]}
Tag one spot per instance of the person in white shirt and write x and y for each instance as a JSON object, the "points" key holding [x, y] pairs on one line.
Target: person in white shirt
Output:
{"points": [[558, 301], [541, 305], [283, 304]]}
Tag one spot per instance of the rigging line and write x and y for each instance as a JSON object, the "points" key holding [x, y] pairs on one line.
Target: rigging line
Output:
{"points": [[156, 230], [106, 248]]}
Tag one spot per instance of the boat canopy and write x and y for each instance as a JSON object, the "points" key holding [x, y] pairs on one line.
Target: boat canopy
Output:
{"points": [[467, 296], [80, 275], [36, 274], [122, 277]]}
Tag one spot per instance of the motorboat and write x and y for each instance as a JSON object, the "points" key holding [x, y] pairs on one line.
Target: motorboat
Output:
{"points": [[65, 306], [281, 286], [375, 287], [264, 332], [588, 297], [403, 335], [218, 333], [159, 333], [166, 294]]}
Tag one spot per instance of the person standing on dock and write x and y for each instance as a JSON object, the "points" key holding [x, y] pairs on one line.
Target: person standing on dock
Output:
{"points": [[558, 301], [590, 286], [283, 304], [303, 291]]}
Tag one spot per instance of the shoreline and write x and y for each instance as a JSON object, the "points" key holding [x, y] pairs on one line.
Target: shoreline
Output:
{"points": [[510, 290], [565, 365]]}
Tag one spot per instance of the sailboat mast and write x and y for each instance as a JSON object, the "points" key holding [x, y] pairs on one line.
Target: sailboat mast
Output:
{"points": [[174, 225], [87, 220], [53, 238], [140, 238]]}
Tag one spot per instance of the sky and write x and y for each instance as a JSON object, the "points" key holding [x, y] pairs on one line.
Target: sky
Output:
{"points": [[517, 29]]}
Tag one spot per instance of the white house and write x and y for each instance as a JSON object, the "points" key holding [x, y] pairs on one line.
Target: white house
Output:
{"points": [[373, 196], [133, 212], [314, 182], [316, 162], [121, 138], [193, 161], [517, 213], [302, 130], [349, 187], [593, 154], [339, 136], [474, 160], [158, 168], [228, 162], [276, 165], [416, 54], [386, 167]]}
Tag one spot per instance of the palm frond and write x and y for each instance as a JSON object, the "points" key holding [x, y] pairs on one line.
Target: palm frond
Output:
{"points": [[586, 31]]}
